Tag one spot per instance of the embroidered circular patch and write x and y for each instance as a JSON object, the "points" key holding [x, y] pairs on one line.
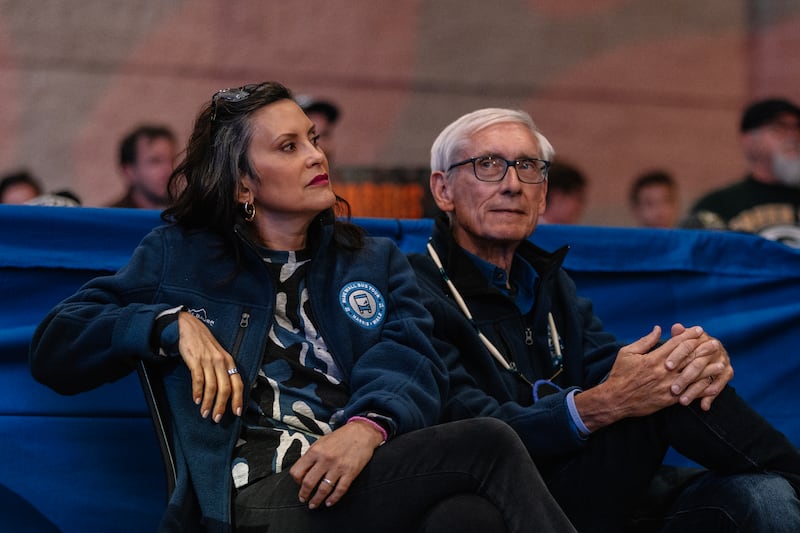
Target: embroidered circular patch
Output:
{"points": [[363, 303]]}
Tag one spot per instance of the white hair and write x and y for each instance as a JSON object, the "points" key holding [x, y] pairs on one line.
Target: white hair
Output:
{"points": [[454, 137]]}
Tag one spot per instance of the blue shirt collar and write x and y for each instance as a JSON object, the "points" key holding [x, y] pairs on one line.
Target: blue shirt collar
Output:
{"points": [[522, 280]]}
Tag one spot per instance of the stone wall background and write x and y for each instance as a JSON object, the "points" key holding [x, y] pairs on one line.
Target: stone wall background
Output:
{"points": [[618, 86]]}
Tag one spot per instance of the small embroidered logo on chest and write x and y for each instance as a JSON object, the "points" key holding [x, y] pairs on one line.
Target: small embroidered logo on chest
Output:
{"points": [[201, 315], [363, 303]]}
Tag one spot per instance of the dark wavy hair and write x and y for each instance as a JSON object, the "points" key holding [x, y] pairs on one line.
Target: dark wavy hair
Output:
{"points": [[202, 188]]}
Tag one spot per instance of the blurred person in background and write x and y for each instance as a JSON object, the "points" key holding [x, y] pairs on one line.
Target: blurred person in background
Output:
{"points": [[654, 200], [325, 116], [146, 158], [767, 200], [566, 194], [60, 198], [19, 187]]}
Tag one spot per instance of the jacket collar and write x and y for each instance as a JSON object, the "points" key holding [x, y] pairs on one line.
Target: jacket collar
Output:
{"points": [[319, 232], [468, 278]]}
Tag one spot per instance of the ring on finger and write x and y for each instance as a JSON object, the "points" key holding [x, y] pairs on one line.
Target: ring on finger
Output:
{"points": [[328, 481], [232, 371]]}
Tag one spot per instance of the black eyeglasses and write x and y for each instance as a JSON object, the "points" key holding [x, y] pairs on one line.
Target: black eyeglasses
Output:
{"points": [[494, 168], [234, 94]]}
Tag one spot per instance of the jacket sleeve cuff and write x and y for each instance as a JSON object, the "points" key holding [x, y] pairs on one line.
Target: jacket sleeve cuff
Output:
{"points": [[387, 425]]}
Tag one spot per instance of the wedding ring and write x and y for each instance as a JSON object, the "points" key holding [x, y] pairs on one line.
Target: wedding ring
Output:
{"points": [[328, 481], [232, 371]]}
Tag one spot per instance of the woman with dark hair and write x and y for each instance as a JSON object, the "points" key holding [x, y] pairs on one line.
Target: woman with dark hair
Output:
{"points": [[291, 348]]}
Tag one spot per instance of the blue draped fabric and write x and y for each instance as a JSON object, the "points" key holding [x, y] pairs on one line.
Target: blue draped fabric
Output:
{"points": [[90, 462]]}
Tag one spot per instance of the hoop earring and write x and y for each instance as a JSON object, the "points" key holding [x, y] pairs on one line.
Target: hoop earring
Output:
{"points": [[249, 211]]}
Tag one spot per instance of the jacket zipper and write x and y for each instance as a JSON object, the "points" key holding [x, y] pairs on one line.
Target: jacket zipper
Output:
{"points": [[244, 321]]}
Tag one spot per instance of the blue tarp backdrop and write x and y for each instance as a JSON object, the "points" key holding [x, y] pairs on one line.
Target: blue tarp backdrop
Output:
{"points": [[91, 462]]}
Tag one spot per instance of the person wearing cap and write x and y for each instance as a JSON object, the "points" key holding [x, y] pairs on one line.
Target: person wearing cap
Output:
{"points": [[767, 200], [325, 115]]}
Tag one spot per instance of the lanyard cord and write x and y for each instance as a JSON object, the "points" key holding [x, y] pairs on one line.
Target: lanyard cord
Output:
{"points": [[556, 345], [511, 367]]}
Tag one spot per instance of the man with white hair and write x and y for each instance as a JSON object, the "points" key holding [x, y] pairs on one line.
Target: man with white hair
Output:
{"points": [[596, 416]]}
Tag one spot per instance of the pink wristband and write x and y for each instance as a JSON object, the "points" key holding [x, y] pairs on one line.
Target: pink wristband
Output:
{"points": [[374, 424]]}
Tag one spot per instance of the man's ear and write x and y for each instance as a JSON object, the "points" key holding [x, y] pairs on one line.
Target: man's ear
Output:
{"points": [[442, 191], [543, 200], [129, 174]]}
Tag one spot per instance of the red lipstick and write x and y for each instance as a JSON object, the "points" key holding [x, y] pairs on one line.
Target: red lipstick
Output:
{"points": [[321, 178]]}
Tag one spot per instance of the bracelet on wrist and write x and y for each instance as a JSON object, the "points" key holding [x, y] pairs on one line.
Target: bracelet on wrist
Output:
{"points": [[374, 424]]}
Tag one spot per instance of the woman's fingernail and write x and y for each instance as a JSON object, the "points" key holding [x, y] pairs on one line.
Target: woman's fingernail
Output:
{"points": [[217, 418], [205, 413]]}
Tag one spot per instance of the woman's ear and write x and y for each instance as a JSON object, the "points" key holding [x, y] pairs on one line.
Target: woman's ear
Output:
{"points": [[441, 191], [243, 192]]}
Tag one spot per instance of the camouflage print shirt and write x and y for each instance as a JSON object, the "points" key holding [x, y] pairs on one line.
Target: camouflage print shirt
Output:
{"points": [[299, 394]]}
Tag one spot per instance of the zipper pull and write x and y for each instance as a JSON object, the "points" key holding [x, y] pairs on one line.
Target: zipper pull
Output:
{"points": [[245, 321], [528, 336]]}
